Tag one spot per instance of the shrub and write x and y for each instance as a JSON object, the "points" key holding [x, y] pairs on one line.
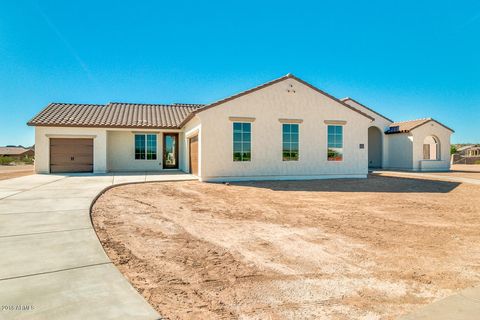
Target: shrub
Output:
{"points": [[6, 160], [27, 160], [477, 161], [453, 149]]}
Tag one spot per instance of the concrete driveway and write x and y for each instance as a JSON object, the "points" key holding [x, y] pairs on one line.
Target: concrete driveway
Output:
{"points": [[52, 265]]}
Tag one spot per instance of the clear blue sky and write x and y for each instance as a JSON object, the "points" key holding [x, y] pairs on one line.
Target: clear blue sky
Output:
{"points": [[406, 59]]}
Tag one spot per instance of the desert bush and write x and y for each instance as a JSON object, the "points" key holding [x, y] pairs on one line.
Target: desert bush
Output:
{"points": [[6, 160], [27, 160]]}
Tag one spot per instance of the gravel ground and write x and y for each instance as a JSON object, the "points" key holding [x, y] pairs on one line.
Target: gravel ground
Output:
{"points": [[369, 248], [9, 172]]}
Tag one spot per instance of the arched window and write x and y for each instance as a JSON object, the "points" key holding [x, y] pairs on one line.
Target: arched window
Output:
{"points": [[431, 148]]}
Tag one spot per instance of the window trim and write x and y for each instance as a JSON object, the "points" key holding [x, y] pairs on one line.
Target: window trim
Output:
{"points": [[233, 141], [146, 145], [298, 142], [338, 124]]}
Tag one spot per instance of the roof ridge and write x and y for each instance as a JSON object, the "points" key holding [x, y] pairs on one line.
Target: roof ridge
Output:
{"points": [[358, 102], [76, 104], [420, 119], [267, 84], [158, 104]]}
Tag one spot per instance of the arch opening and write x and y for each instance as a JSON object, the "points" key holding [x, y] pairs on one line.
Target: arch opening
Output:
{"points": [[431, 148], [375, 152]]}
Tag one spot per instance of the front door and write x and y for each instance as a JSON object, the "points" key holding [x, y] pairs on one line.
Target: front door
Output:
{"points": [[170, 151]]}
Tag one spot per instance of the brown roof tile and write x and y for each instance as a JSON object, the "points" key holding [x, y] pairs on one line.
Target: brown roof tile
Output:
{"points": [[407, 126], [114, 114]]}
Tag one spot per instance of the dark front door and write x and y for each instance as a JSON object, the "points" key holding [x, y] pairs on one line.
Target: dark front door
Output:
{"points": [[170, 151]]}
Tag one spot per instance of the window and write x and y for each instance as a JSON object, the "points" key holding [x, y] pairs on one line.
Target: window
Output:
{"points": [[146, 147], [335, 143], [242, 143], [290, 142], [431, 148]]}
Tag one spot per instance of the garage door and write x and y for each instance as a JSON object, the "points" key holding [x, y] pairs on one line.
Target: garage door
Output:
{"points": [[71, 155], [194, 155]]}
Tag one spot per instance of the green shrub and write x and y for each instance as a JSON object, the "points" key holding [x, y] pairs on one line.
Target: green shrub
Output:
{"points": [[27, 160], [453, 149], [477, 161], [6, 160]]}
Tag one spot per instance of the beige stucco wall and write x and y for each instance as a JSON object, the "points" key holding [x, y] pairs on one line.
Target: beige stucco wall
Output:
{"points": [[443, 135], [267, 106], [42, 145], [121, 150]]}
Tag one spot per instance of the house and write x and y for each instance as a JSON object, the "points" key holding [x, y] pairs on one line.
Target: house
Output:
{"points": [[17, 153], [283, 129], [469, 154]]}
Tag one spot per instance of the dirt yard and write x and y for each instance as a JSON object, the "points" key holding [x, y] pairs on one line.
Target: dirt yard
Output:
{"points": [[9, 172], [331, 249]]}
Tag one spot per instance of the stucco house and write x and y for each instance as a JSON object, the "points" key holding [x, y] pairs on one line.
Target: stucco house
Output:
{"points": [[17, 152], [469, 154], [283, 129]]}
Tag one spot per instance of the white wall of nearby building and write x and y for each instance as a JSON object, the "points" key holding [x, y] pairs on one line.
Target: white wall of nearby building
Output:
{"points": [[42, 145], [442, 135], [381, 123], [400, 153], [267, 106]]}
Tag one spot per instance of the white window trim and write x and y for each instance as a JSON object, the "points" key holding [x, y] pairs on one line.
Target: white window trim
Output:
{"points": [[291, 122], [156, 145], [251, 140], [343, 141]]}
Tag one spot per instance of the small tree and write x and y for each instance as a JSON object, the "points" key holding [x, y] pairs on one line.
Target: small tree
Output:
{"points": [[453, 149]]}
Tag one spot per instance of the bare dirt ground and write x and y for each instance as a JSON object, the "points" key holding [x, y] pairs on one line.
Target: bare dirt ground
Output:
{"points": [[471, 171], [9, 172], [324, 249]]}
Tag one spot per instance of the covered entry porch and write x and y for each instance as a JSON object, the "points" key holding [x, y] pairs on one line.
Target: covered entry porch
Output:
{"points": [[149, 151]]}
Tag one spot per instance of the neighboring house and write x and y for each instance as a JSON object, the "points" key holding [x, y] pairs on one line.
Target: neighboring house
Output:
{"points": [[283, 129], [467, 155], [18, 153]]}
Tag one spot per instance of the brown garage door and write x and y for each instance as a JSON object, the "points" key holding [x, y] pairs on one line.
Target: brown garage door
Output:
{"points": [[194, 155], [71, 155]]}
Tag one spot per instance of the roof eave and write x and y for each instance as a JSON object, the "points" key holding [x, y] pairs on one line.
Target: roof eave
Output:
{"points": [[104, 126]]}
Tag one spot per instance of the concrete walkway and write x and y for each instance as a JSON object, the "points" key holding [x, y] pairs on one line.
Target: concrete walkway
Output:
{"points": [[52, 265], [462, 306], [431, 175]]}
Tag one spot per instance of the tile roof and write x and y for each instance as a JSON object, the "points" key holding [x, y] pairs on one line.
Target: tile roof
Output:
{"points": [[114, 114], [407, 126], [12, 150]]}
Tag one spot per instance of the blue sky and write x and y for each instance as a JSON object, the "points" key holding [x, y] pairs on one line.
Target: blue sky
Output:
{"points": [[405, 59]]}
